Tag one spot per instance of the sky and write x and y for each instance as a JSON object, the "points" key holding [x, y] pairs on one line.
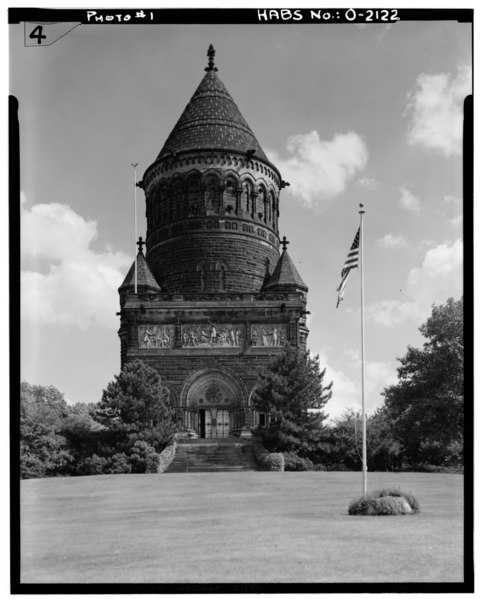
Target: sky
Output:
{"points": [[349, 114]]}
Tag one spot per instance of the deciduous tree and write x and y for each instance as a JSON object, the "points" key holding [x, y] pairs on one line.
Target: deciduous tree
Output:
{"points": [[43, 447], [426, 406]]}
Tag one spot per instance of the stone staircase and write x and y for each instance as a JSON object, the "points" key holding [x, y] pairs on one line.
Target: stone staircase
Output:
{"points": [[213, 455]]}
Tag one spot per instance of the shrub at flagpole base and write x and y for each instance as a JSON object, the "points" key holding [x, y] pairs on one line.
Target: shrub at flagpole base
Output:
{"points": [[386, 502]]}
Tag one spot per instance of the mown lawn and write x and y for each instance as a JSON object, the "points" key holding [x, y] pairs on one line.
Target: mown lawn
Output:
{"points": [[237, 528]]}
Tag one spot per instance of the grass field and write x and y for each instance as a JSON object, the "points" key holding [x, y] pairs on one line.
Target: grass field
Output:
{"points": [[237, 528]]}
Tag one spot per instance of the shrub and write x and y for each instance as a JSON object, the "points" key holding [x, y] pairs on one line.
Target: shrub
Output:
{"points": [[166, 457], [152, 462], [118, 464], [386, 502], [267, 461], [94, 464], [142, 458], [295, 463], [275, 462]]}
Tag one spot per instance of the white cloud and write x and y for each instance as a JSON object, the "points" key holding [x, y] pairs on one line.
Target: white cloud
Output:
{"points": [[456, 205], [320, 170], [449, 199], [347, 393], [440, 275], [435, 108], [80, 285], [408, 200], [368, 183], [392, 241], [439, 278], [457, 221]]}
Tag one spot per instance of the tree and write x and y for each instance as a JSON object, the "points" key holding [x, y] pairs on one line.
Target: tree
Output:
{"points": [[293, 394], [43, 447], [426, 406], [136, 408], [342, 443], [383, 447]]}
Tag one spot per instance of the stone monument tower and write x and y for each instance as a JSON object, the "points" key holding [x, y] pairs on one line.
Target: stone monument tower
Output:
{"points": [[216, 298]]}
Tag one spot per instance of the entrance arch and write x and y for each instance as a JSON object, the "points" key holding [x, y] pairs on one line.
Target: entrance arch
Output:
{"points": [[214, 403]]}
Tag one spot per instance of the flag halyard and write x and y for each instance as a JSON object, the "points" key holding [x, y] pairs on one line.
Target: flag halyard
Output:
{"points": [[350, 263]]}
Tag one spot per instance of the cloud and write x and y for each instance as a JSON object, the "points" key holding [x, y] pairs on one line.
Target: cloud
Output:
{"points": [[449, 199], [347, 392], [435, 108], [79, 287], [457, 221], [392, 241], [439, 277], [408, 200], [456, 204], [320, 170], [368, 183]]}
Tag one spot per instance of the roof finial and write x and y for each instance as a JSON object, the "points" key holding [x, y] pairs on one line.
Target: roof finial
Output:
{"points": [[140, 244], [211, 59], [284, 242]]}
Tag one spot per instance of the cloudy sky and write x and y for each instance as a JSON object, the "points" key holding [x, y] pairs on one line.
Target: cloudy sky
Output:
{"points": [[348, 113]]}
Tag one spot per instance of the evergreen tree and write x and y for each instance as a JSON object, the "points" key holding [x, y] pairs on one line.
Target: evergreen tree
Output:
{"points": [[136, 407], [426, 405], [293, 394]]}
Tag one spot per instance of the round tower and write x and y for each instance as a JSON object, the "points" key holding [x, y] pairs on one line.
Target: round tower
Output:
{"points": [[213, 300], [212, 199]]}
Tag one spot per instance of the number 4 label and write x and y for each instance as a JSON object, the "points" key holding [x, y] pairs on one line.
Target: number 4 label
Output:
{"points": [[37, 34], [45, 34]]}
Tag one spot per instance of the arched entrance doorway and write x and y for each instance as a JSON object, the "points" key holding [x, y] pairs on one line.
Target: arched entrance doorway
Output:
{"points": [[214, 403]]}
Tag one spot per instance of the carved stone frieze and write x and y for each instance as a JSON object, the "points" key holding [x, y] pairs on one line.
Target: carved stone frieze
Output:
{"points": [[212, 335], [156, 336], [264, 335]]}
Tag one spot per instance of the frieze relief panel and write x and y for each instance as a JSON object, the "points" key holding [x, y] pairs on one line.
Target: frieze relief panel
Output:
{"points": [[269, 335], [156, 336], [212, 335]]}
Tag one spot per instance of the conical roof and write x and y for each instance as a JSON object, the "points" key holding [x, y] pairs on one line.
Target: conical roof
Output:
{"points": [[285, 275], [212, 120], [145, 280]]}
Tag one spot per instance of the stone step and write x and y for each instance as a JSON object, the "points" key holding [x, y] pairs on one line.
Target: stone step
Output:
{"points": [[207, 455]]}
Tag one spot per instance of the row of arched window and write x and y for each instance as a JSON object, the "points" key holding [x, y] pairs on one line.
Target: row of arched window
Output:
{"points": [[212, 277], [196, 197]]}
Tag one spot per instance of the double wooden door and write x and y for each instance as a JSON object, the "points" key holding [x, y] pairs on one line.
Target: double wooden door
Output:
{"points": [[218, 426]]}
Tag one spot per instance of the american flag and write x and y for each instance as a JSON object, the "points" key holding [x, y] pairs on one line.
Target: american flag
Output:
{"points": [[350, 262]]}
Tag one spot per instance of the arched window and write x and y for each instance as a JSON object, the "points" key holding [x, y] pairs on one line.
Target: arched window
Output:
{"points": [[230, 197], [271, 209], [177, 199], [202, 278], [246, 203], [261, 203], [212, 194], [222, 278], [163, 205], [194, 190]]}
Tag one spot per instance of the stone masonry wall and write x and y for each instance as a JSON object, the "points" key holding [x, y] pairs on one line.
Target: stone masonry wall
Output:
{"points": [[175, 369], [194, 263]]}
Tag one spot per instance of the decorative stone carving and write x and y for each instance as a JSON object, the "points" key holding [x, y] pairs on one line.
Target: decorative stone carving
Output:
{"points": [[212, 335], [214, 395], [156, 336], [269, 335]]}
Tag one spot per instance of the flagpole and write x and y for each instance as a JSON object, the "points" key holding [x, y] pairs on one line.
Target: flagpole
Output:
{"points": [[364, 420], [135, 164]]}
